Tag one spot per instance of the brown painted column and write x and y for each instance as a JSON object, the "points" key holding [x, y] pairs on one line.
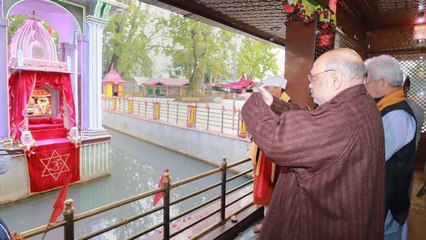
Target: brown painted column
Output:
{"points": [[299, 59]]}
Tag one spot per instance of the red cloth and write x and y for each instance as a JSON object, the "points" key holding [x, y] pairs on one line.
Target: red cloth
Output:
{"points": [[21, 86], [51, 164], [159, 196], [263, 186], [58, 207]]}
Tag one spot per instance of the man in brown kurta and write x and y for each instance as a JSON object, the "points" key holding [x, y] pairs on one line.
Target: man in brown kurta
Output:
{"points": [[331, 184]]}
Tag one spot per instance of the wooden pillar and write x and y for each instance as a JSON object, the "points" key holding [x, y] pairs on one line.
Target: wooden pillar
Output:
{"points": [[299, 59]]}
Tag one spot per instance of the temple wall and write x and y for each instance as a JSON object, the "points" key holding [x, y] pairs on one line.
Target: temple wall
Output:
{"points": [[207, 146], [94, 163]]}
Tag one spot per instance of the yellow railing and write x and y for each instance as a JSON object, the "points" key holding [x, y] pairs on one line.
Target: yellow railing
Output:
{"points": [[70, 219], [201, 116]]}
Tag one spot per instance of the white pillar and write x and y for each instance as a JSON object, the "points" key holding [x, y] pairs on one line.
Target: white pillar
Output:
{"points": [[4, 95], [92, 82], [69, 51]]}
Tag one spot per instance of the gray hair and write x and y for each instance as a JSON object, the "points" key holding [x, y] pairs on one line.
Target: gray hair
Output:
{"points": [[349, 68], [385, 66]]}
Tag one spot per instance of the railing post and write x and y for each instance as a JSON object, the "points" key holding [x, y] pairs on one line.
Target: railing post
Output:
{"points": [[114, 103], [233, 112], [69, 220], [242, 130], [177, 113], [192, 115], [146, 106], [168, 108], [223, 191], [166, 209], [130, 105], [208, 117], [156, 110], [221, 125], [122, 105]]}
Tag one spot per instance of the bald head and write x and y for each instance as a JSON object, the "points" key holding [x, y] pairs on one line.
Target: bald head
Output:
{"points": [[347, 62], [342, 68]]}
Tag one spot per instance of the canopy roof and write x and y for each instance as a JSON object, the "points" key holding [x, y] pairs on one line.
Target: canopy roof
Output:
{"points": [[113, 77], [370, 23], [166, 81]]}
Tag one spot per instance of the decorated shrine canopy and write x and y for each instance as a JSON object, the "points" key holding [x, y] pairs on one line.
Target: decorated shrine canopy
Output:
{"points": [[22, 84], [113, 77]]}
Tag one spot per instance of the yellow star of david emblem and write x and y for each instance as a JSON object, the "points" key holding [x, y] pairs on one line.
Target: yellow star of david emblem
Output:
{"points": [[55, 165]]}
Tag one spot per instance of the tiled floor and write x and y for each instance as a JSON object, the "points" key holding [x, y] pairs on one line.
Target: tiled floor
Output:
{"points": [[417, 215], [248, 234]]}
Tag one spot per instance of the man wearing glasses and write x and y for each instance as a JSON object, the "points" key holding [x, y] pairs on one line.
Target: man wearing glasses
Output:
{"points": [[331, 184]]}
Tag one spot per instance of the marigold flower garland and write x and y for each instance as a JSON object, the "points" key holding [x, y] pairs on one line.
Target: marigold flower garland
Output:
{"points": [[308, 10]]}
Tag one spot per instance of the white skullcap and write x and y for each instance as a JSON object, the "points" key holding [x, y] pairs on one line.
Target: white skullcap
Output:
{"points": [[275, 81]]}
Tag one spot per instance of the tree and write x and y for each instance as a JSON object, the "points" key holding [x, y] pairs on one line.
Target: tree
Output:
{"points": [[189, 49], [16, 21], [198, 51], [128, 40], [220, 61], [256, 59]]}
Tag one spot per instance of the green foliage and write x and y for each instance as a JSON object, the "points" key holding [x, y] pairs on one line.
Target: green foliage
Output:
{"points": [[199, 52], [220, 62], [17, 20], [128, 41], [14, 23], [256, 59]]}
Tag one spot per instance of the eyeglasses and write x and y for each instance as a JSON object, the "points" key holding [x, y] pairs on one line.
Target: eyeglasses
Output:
{"points": [[311, 77]]}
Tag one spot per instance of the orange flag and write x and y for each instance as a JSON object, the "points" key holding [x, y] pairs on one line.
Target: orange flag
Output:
{"points": [[159, 196], [58, 207]]}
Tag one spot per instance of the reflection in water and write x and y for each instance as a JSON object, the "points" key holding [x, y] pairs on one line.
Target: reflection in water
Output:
{"points": [[135, 168]]}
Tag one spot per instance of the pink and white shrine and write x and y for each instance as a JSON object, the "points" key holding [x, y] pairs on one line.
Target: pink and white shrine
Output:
{"points": [[50, 94]]}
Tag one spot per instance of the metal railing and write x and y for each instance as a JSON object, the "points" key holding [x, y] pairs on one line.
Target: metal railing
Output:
{"points": [[70, 219], [200, 116]]}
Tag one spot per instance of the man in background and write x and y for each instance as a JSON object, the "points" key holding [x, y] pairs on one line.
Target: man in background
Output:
{"points": [[420, 117], [265, 172], [385, 84]]}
